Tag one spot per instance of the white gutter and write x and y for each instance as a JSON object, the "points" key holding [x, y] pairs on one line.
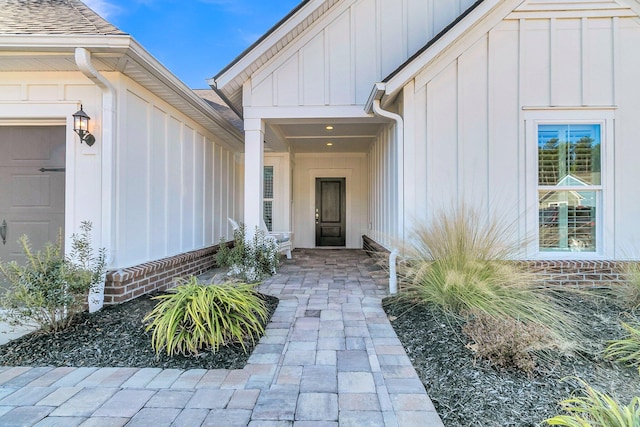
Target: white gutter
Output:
{"points": [[377, 109], [107, 143], [373, 105]]}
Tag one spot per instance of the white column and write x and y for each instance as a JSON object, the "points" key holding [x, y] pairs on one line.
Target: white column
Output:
{"points": [[253, 173]]}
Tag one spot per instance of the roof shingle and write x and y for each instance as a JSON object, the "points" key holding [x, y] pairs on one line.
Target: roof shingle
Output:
{"points": [[52, 17]]}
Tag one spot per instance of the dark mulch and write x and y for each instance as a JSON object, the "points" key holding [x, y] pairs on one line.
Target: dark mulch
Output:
{"points": [[115, 336], [469, 392]]}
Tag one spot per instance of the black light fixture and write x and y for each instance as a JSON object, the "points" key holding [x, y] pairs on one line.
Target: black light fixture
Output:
{"points": [[81, 127]]}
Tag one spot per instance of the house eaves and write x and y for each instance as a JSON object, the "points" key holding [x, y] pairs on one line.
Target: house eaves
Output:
{"points": [[117, 53], [229, 81], [479, 17]]}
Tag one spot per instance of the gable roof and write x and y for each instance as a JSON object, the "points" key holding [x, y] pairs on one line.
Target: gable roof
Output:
{"points": [[482, 12], [52, 17], [228, 82]]}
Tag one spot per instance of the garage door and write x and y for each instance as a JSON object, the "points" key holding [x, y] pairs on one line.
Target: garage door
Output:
{"points": [[32, 164]]}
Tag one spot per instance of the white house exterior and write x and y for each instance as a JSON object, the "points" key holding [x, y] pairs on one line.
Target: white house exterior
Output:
{"points": [[432, 102], [164, 173]]}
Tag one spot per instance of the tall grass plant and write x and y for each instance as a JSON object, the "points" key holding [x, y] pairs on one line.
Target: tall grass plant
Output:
{"points": [[462, 262]]}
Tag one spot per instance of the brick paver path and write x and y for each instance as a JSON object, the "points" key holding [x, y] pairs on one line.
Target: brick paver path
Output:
{"points": [[329, 358]]}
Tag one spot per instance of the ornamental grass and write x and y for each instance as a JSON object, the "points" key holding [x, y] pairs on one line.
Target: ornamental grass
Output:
{"points": [[627, 349], [195, 316], [597, 409], [463, 263]]}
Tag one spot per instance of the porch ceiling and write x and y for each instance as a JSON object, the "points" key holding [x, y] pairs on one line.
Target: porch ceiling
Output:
{"points": [[347, 136]]}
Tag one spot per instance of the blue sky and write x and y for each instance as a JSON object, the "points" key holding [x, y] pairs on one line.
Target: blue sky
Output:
{"points": [[194, 38]]}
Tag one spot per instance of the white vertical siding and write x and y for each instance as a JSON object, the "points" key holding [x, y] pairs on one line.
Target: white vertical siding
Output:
{"points": [[176, 185], [383, 197], [469, 115], [358, 43]]}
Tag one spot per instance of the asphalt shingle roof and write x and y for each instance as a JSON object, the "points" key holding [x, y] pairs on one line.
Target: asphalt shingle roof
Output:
{"points": [[52, 17]]}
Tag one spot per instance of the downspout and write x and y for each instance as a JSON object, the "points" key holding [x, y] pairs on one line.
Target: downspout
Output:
{"points": [[107, 142], [377, 110]]}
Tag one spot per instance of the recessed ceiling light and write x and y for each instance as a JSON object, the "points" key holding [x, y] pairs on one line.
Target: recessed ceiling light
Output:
{"points": [[329, 127], [329, 144]]}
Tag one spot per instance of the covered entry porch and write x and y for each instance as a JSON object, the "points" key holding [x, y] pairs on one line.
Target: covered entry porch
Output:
{"points": [[327, 179]]}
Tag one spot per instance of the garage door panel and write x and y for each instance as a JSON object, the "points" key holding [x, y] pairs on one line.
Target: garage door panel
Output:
{"points": [[32, 202]]}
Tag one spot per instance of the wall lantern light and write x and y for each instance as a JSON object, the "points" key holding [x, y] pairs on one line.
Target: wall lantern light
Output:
{"points": [[81, 127]]}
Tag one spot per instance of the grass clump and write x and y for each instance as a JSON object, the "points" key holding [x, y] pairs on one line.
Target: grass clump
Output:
{"points": [[462, 263], [627, 349], [597, 409], [195, 316], [630, 288]]}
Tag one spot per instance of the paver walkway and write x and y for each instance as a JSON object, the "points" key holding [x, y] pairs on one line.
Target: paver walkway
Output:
{"points": [[329, 358]]}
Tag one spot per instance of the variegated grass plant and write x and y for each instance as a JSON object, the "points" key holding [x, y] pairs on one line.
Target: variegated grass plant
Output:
{"points": [[462, 263], [597, 409], [195, 316], [627, 349]]}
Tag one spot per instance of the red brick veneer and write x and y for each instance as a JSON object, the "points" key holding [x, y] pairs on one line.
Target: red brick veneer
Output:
{"points": [[558, 272], [127, 283]]}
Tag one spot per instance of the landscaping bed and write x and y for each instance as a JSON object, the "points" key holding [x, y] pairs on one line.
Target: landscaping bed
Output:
{"points": [[115, 337], [470, 392]]}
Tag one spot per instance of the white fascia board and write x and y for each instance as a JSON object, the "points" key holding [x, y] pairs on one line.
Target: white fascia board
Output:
{"points": [[634, 5], [412, 69], [266, 44], [65, 43], [377, 93], [308, 112]]}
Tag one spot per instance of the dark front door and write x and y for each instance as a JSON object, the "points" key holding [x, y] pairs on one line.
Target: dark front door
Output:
{"points": [[330, 212]]}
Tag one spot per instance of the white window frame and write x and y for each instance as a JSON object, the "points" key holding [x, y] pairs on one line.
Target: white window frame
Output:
{"points": [[604, 206], [273, 195]]}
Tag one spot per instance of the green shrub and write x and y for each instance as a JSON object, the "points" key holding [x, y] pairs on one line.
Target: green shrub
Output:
{"points": [[626, 350], [461, 263], [195, 316], [596, 409], [49, 289], [249, 260], [506, 343]]}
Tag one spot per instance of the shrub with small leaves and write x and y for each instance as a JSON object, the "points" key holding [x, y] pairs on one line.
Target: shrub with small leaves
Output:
{"points": [[627, 349], [596, 409], [505, 342], [195, 316], [249, 260], [49, 289]]}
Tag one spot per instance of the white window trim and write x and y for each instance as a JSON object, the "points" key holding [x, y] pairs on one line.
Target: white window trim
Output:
{"points": [[605, 209]]}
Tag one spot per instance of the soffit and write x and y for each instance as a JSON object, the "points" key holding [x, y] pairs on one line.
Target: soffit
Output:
{"points": [[132, 60]]}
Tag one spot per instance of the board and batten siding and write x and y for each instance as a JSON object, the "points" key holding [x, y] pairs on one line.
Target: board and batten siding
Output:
{"points": [[357, 43], [470, 110], [383, 197], [308, 167], [176, 185]]}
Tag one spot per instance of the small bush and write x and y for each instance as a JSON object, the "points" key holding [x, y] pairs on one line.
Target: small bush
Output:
{"points": [[50, 289], [626, 350], [195, 316], [506, 343], [250, 261], [596, 409]]}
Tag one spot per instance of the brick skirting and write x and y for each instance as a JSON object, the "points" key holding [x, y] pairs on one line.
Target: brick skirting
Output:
{"points": [[128, 283], [559, 272]]}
